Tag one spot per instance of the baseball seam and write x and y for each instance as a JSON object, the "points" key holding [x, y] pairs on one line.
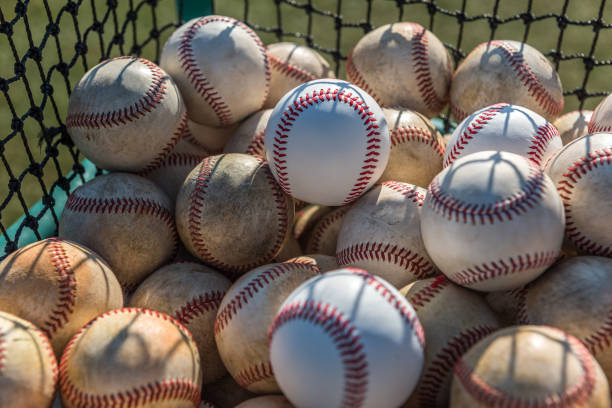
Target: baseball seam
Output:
{"points": [[292, 113], [175, 159], [566, 186], [48, 348], [161, 159], [576, 395], [196, 200], [541, 140], [424, 80], [523, 72], [441, 366], [149, 101], [198, 305], [254, 373], [406, 134], [59, 314], [381, 252], [475, 126], [503, 267], [345, 337], [458, 113], [594, 127], [320, 230], [169, 389], [256, 147], [504, 209], [427, 293], [407, 190], [355, 77], [289, 70]]}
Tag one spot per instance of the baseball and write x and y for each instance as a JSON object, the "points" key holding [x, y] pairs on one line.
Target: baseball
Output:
{"points": [[417, 148], [221, 67], [291, 65], [322, 128], [306, 219], [59, 286], [575, 296], [600, 119], [249, 136], [582, 173], [323, 237], [291, 249], [529, 366], [136, 356], [381, 233], [492, 221], [506, 127], [506, 71], [28, 367], [231, 214], [402, 64], [191, 293], [170, 173], [268, 401], [573, 125], [209, 138], [246, 312], [454, 319], [125, 114], [127, 220], [324, 263], [331, 328]]}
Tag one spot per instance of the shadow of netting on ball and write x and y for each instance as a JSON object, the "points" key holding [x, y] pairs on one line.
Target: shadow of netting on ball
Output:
{"points": [[48, 45]]}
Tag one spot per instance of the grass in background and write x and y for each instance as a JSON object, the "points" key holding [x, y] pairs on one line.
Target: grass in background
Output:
{"points": [[543, 34]]}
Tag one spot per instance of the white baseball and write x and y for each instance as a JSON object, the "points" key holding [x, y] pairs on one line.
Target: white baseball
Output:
{"points": [[346, 338], [582, 173], [125, 114], [573, 125], [601, 119], [510, 128], [327, 142], [492, 221], [506, 71], [291, 65], [221, 67]]}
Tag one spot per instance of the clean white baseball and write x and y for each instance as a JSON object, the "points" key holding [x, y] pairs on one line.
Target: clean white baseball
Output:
{"points": [[346, 338], [327, 142], [506, 71], [291, 65], [125, 114], [510, 128], [402, 64], [573, 125], [492, 221], [381, 233], [601, 119], [221, 67], [249, 136], [582, 172]]}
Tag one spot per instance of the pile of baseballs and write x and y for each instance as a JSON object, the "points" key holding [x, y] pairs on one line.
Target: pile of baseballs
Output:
{"points": [[269, 236]]}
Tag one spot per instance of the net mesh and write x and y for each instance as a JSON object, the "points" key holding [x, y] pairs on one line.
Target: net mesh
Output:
{"points": [[47, 45]]}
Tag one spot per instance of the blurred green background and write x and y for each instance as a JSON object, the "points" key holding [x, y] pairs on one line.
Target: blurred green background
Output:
{"points": [[133, 21]]}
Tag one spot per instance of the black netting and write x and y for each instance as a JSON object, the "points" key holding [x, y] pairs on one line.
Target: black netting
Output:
{"points": [[47, 45]]}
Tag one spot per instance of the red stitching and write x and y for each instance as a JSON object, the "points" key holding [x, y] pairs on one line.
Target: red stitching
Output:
{"points": [[378, 251], [536, 89], [344, 335], [279, 151], [410, 192], [46, 345], [475, 126], [153, 97], [170, 389], [595, 127], [166, 152], [565, 188], [253, 374], [290, 70], [322, 226], [252, 287], [541, 140], [399, 303], [443, 362], [198, 305], [195, 213], [576, 395], [256, 146], [458, 113], [599, 340], [175, 160], [504, 267], [427, 293], [59, 315], [407, 134], [520, 202], [419, 44], [206, 90], [355, 77]]}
